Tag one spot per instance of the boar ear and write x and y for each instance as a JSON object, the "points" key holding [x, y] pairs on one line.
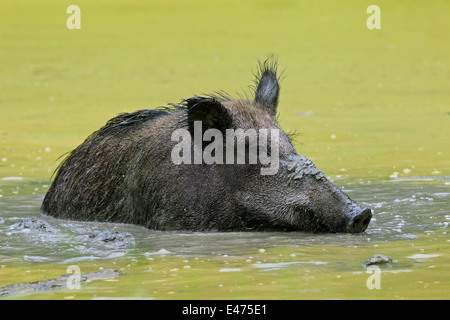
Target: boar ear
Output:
{"points": [[267, 87], [209, 111]]}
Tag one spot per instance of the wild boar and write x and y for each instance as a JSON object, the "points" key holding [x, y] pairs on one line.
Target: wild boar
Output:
{"points": [[207, 163]]}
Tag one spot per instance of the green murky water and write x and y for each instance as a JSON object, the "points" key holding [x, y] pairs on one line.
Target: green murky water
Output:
{"points": [[371, 109], [410, 225]]}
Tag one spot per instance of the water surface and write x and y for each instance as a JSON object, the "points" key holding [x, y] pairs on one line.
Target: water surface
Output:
{"points": [[366, 104], [410, 224]]}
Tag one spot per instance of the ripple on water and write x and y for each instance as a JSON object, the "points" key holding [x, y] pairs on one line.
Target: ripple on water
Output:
{"points": [[280, 265]]}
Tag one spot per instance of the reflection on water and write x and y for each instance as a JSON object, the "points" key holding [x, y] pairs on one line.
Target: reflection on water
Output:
{"points": [[403, 212]]}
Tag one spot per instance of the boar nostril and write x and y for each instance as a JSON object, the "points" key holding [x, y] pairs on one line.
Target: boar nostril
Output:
{"points": [[359, 221], [366, 221]]}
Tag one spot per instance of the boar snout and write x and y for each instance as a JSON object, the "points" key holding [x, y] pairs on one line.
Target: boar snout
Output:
{"points": [[359, 221]]}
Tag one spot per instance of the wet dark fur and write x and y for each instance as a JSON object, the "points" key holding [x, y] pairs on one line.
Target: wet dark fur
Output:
{"points": [[106, 177], [124, 173]]}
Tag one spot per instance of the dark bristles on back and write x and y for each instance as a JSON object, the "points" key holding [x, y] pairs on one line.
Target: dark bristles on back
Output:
{"points": [[265, 87]]}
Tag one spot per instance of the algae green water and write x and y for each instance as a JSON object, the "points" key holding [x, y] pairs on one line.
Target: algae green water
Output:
{"points": [[371, 109]]}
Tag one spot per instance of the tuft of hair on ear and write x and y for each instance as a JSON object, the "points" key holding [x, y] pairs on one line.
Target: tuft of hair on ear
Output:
{"points": [[266, 85]]}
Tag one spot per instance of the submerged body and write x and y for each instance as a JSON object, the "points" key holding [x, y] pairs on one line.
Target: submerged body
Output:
{"points": [[125, 172]]}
